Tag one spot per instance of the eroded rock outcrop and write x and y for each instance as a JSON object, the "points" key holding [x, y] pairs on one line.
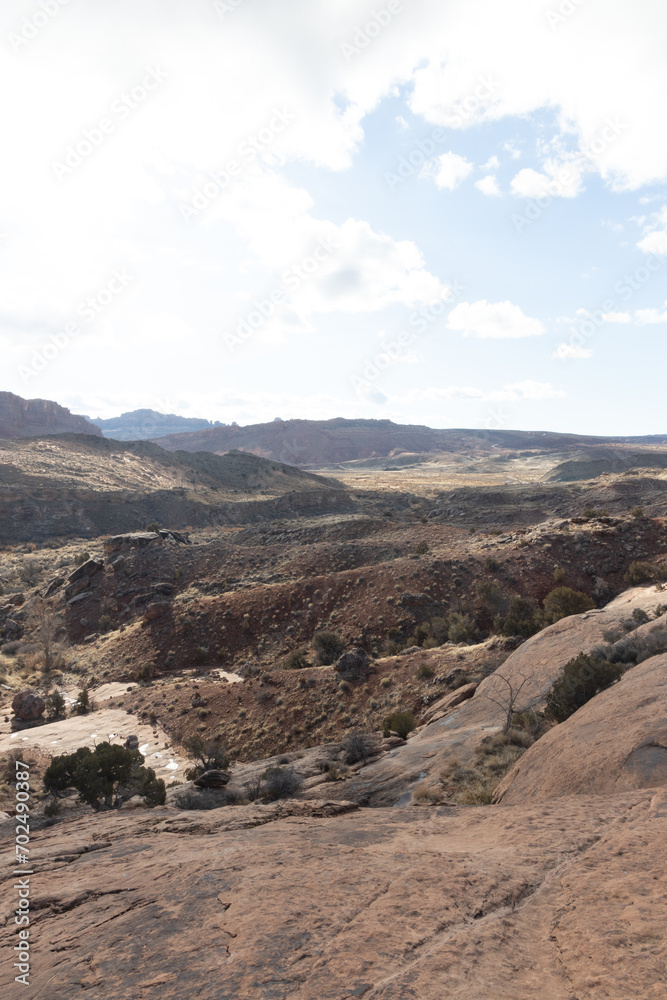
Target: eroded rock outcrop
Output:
{"points": [[33, 417]]}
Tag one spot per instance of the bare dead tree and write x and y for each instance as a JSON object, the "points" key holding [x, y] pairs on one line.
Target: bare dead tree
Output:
{"points": [[506, 695], [46, 626]]}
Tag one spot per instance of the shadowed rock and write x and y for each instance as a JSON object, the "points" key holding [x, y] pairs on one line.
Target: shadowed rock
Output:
{"points": [[28, 706]]}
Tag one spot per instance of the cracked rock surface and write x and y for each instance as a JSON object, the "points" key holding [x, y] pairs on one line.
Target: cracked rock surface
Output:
{"points": [[318, 902]]}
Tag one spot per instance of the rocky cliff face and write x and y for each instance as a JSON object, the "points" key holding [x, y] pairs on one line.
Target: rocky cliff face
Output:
{"points": [[32, 417], [139, 425]]}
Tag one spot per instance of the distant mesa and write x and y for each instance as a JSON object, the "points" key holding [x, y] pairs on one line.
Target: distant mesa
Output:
{"points": [[143, 425], [21, 418]]}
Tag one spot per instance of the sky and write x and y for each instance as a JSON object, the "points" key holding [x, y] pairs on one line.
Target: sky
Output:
{"points": [[442, 212]]}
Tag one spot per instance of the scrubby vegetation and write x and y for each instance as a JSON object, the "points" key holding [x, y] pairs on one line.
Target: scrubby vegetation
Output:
{"points": [[358, 746], [280, 783], [209, 755], [401, 723], [583, 677], [328, 646], [104, 777]]}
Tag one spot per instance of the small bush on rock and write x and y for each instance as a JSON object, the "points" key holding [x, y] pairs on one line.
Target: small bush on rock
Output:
{"points": [[401, 723], [358, 746], [583, 677], [281, 783]]}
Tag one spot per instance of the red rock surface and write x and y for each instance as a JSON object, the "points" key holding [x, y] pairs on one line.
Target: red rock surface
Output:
{"points": [[552, 900], [616, 742]]}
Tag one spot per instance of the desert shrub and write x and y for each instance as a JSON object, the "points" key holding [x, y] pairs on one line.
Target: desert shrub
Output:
{"points": [[637, 512], [640, 616], [522, 618], [559, 574], [281, 783], [639, 572], [489, 591], [425, 672], [30, 572], [634, 649], [422, 548], [55, 705], [210, 755], [296, 660], [491, 564], [104, 623], [439, 629], [104, 777], [358, 746], [153, 526], [563, 602], [82, 704], [462, 628], [207, 798], [392, 648], [400, 723], [201, 654], [582, 678], [81, 558], [145, 672], [328, 646]]}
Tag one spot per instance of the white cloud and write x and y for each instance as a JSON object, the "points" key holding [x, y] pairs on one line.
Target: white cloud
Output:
{"points": [[491, 164], [564, 351], [363, 271], [645, 316], [655, 238], [560, 180], [512, 392], [493, 320], [534, 390], [448, 170], [488, 185], [616, 317], [655, 242]]}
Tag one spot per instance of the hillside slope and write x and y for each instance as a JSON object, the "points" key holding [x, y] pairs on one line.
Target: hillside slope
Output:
{"points": [[327, 442]]}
